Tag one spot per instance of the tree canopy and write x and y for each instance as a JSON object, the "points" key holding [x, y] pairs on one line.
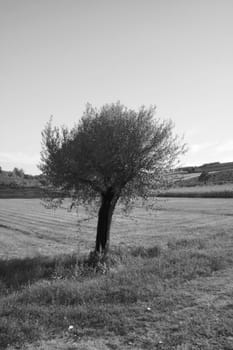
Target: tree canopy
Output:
{"points": [[112, 153]]}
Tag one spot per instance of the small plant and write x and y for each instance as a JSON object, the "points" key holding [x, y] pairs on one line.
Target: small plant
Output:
{"points": [[99, 262], [185, 243], [143, 252]]}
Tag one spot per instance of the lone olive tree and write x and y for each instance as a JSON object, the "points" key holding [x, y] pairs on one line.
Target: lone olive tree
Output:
{"points": [[112, 154]]}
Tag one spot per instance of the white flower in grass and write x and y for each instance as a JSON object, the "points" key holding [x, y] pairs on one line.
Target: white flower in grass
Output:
{"points": [[70, 328]]}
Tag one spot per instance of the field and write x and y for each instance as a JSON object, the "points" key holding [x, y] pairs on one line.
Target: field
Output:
{"points": [[201, 191], [169, 285], [29, 229]]}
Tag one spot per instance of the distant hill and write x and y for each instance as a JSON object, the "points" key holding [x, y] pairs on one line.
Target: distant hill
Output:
{"points": [[209, 167], [217, 173]]}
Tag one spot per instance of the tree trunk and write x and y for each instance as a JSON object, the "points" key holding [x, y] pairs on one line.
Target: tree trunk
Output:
{"points": [[108, 203]]}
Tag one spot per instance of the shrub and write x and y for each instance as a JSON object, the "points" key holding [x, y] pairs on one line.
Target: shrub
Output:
{"points": [[204, 177], [146, 252]]}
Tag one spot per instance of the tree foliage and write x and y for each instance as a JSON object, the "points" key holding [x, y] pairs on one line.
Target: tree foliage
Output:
{"points": [[112, 154], [204, 176], [18, 172]]}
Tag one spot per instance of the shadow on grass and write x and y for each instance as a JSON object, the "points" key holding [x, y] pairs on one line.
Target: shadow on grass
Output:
{"points": [[15, 273]]}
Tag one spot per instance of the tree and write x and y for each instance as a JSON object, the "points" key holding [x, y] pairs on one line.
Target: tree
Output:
{"points": [[204, 177], [113, 154], [18, 172]]}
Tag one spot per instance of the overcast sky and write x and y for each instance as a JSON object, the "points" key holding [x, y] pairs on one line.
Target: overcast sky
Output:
{"points": [[57, 55]]}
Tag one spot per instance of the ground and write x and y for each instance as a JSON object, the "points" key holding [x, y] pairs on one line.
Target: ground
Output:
{"points": [[170, 286]]}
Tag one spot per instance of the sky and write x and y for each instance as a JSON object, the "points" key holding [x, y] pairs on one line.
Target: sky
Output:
{"points": [[58, 55]]}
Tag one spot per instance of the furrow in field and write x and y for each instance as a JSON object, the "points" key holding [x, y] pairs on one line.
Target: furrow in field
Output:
{"points": [[8, 227], [50, 215], [33, 205], [55, 231], [28, 230], [23, 212], [13, 236], [35, 221], [20, 219], [14, 244], [36, 235], [39, 239]]}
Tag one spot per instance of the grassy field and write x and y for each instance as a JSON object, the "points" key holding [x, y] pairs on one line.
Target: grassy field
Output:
{"points": [[29, 229], [170, 283]]}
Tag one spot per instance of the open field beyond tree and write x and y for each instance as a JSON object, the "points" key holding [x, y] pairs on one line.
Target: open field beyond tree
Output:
{"points": [[200, 191], [169, 285], [29, 229]]}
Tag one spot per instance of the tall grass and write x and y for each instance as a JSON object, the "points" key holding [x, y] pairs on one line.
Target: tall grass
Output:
{"points": [[44, 296]]}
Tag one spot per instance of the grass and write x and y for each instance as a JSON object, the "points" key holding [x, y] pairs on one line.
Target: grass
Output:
{"points": [[150, 292], [174, 291]]}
